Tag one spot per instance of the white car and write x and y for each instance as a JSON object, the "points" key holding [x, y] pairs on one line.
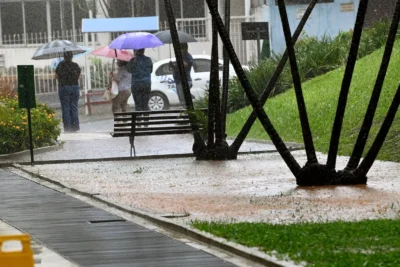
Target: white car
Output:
{"points": [[163, 88]]}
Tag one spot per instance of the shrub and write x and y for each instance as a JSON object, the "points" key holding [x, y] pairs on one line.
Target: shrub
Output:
{"points": [[14, 133]]}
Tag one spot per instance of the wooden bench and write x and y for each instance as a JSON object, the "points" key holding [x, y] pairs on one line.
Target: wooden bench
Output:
{"points": [[145, 123], [90, 102]]}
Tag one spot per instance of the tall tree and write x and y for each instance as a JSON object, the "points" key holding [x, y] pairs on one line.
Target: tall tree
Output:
{"points": [[344, 92], [369, 159], [305, 126], [213, 100], [265, 121], [234, 147], [225, 75], [373, 103], [199, 147]]}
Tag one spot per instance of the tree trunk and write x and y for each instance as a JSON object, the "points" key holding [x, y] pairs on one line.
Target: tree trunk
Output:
{"points": [[344, 92], [305, 126], [198, 146], [279, 144], [225, 77], [213, 89], [373, 103], [237, 143], [369, 159]]}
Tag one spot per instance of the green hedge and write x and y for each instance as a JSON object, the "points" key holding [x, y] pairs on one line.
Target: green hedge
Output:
{"points": [[14, 134]]}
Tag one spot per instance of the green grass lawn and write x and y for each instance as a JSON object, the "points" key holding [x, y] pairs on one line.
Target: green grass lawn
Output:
{"points": [[321, 96], [364, 243]]}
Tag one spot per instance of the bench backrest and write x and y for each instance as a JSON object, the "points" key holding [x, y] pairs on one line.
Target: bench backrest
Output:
{"points": [[152, 123]]}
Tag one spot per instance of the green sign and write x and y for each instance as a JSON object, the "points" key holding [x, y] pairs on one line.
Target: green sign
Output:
{"points": [[26, 86]]}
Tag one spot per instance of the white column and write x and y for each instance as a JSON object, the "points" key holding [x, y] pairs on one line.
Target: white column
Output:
{"points": [[181, 9], [23, 19], [62, 18], [92, 34], [157, 3], [48, 20], [88, 84], [247, 5], [133, 8], [157, 8], [1, 32], [208, 22], [102, 37], [73, 21]]}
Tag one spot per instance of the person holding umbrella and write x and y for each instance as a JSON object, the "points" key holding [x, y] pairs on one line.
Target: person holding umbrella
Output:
{"points": [[141, 68], [123, 78], [68, 73], [188, 64]]}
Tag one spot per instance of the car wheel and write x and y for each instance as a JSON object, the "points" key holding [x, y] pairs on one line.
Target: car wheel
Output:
{"points": [[158, 101]]}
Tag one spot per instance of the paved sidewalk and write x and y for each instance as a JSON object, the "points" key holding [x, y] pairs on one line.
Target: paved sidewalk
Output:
{"points": [[53, 222], [44, 257], [87, 235]]}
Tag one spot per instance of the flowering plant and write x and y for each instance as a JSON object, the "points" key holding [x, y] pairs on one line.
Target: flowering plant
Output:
{"points": [[14, 133]]}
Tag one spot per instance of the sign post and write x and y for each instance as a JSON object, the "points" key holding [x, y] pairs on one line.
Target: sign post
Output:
{"points": [[26, 96], [255, 31]]}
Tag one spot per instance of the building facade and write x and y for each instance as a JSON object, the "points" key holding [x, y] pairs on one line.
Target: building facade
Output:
{"points": [[329, 17]]}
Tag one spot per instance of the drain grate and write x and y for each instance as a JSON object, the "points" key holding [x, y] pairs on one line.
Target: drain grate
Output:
{"points": [[175, 215], [106, 221]]}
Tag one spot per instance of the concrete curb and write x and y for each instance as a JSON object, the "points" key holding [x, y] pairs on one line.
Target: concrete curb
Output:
{"points": [[166, 156], [290, 145], [221, 243], [36, 151]]}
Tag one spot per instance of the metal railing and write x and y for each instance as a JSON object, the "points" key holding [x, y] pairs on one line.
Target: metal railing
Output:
{"points": [[39, 38], [197, 27], [45, 82]]}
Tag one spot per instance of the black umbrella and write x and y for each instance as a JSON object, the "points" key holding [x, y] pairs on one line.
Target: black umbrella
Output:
{"points": [[56, 49], [165, 37]]}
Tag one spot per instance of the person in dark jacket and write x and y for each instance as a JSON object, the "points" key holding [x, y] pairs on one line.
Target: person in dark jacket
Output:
{"points": [[67, 74], [141, 68], [188, 64]]}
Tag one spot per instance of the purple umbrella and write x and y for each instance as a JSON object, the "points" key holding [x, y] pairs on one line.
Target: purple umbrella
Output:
{"points": [[135, 40]]}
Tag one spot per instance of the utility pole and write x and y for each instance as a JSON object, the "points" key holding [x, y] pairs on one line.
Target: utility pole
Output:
{"points": [[133, 8]]}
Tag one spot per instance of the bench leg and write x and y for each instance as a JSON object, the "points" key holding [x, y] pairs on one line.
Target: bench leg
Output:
{"points": [[132, 146], [88, 105]]}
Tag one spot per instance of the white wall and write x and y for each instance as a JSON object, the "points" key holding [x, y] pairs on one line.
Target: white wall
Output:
{"points": [[326, 18]]}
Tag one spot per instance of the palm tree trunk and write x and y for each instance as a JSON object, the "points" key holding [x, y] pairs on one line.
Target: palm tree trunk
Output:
{"points": [[213, 89], [305, 126], [225, 77], [369, 159], [198, 146], [344, 92], [373, 103], [266, 123], [237, 143]]}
